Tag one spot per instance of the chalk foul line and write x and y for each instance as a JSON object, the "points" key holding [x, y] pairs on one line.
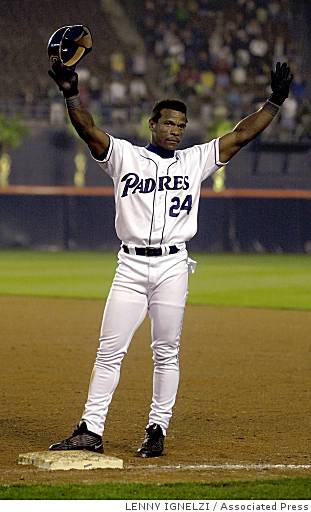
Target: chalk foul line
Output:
{"points": [[222, 467]]}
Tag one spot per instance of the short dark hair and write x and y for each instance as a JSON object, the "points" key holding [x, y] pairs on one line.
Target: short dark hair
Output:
{"points": [[170, 103]]}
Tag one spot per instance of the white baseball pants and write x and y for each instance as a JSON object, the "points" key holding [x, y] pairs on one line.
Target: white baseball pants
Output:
{"points": [[159, 286]]}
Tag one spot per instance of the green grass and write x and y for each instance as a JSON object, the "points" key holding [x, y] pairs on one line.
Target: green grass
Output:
{"points": [[59, 274], [285, 489], [272, 281]]}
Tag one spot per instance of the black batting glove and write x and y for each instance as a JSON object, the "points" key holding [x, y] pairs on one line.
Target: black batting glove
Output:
{"points": [[66, 79], [281, 79]]}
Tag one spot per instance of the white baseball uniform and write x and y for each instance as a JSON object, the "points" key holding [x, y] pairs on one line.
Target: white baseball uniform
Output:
{"points": [[157, 195]]}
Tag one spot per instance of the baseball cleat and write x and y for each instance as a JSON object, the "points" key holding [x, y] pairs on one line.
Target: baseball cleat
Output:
{"points": [[153, 444], [81, 439]]}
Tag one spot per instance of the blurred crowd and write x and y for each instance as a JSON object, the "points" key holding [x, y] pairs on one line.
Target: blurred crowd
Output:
{"points": [[214, 55], [218, 57]]}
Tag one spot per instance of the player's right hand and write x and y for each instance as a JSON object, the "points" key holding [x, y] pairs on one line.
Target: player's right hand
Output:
{"points": [[66, 79]]}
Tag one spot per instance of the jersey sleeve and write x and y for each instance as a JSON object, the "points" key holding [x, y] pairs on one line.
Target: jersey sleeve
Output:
{"points": [[208, 156], [111, 161]]}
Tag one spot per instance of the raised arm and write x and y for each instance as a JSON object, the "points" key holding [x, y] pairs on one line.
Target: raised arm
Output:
{"points": [[81, 119], [247, 129]]}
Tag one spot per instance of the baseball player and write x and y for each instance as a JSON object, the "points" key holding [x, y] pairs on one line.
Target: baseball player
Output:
{"points": [[157, 190]]}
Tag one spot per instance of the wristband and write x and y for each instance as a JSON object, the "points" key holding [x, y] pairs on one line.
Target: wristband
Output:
{"points": [[272, 108], [278, 98], [73, 102]]}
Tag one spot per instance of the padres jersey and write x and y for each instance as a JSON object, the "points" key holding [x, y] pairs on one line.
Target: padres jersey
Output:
{"points": [[157, 191]]}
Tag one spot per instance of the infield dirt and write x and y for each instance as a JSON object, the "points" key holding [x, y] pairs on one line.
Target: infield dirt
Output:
{"points": [[244, 395]]}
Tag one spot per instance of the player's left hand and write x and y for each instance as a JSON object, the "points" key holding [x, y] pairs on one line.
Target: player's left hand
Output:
{"points": [[281, 79]]}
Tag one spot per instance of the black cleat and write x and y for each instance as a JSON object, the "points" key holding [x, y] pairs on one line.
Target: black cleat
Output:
{"points": [[153, 444], [81, 439]]}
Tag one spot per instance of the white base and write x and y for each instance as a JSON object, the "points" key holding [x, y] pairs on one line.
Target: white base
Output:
{"points": [[80, 459]]}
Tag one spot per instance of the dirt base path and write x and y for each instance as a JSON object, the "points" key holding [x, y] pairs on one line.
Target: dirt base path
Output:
{"points": [[244, 394]]}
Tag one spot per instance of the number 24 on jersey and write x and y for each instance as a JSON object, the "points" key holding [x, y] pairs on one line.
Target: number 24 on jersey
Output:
{"points": [[177, 206]]}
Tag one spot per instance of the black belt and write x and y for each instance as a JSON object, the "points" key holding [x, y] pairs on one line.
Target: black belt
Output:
{"points": [[150, 251]]}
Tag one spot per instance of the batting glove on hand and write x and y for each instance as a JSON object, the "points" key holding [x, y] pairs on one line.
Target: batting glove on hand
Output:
{"points": [[65, 78], [280, 83]]}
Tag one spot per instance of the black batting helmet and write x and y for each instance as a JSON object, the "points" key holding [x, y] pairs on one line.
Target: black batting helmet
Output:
{"points": [[69, 44]]}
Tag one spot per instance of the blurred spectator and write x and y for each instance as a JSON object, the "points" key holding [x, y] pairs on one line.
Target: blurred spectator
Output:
{"points": [[138, 63], [84, 89], [58, 114], [258, 47], [138, 90], [118, 92], [95, 93], [303, 128], [298, 87], [230, 60], [239, 75], [117, 64], [288, 115]]}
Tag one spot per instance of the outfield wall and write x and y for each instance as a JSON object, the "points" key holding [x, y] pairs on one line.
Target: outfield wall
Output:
{"points": [[235, 220], [47, 157]]}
